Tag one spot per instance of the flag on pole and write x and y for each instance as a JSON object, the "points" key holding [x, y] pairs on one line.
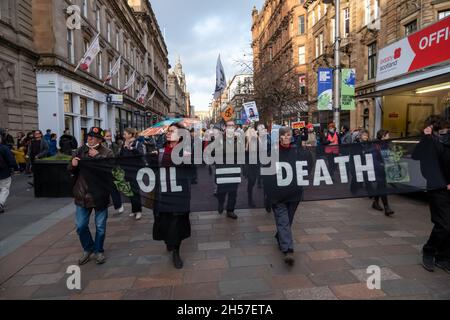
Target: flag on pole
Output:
{"points": [[114, 70], [90, 54], [143, 93], [130, 82], [152, 96], [221, 82]]}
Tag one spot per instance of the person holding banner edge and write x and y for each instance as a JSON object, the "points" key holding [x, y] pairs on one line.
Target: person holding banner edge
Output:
{"points": [[433, 151], [88, 199]]}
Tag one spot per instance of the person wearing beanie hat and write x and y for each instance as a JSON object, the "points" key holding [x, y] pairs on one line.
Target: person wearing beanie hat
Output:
{"points": [[92, 198]]}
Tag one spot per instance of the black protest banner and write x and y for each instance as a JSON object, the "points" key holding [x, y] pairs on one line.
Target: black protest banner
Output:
{"points": [[298, 174]]}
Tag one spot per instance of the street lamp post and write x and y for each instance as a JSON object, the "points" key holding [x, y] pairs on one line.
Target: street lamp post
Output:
{"points": [[337, 70], [337, 63]]}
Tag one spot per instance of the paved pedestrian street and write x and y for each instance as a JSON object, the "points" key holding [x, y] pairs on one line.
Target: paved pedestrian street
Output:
{"points": [[336, 241]]}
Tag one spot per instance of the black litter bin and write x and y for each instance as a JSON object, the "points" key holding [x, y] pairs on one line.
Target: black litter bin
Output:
{"points": [[52, 179]]}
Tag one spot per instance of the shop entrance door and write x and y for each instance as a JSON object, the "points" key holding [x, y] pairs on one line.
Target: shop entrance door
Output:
{"points": [[417, 114]]}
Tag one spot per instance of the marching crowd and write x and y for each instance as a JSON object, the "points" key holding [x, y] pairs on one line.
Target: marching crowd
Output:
{"points": [[172, 224]]}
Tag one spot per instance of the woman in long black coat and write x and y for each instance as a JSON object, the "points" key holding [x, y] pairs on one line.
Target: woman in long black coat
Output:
{"points": [[172, 209]]}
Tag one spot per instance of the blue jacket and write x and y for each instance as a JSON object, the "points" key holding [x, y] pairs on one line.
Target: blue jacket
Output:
{"points": [[52, 148], [7, 162]]}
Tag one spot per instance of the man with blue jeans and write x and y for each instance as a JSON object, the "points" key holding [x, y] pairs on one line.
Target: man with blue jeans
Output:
{"points": [[89, 198]]}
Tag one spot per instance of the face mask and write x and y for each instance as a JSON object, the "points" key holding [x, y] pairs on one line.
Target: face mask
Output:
{"points": [[92, 147], [332, 131]]}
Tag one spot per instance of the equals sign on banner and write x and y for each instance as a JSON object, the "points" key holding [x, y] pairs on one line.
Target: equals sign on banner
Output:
{"points": [[228, 175]]}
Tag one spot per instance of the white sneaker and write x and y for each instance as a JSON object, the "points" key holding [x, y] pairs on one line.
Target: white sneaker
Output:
{"points": [[132, 215], [139, 216], [121, 210]]}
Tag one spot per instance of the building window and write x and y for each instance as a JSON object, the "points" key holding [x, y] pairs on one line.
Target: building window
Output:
{"points": [[376, 10], [70, 47], [68, 103], [302, 84], [85, 8], [367, 12], [99, 66], [410, 27], [117, 40], [317, 46], [83, 107], [313, 17], [319, 12], [346, 22], [86, 47], [301, 24], [110, 65], [4, 11], [108, 31], [321, 44], [443, 14], [372, 62], [333, 31], [98, 20], [301, 55]]}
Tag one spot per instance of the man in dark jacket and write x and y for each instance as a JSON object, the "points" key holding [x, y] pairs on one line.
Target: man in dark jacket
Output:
{"points": [[7, 162], [87, 199], [67, 143], [38, 148], [433, 151]]}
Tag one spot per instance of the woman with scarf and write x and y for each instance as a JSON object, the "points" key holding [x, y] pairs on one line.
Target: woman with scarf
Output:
{"points": [[172, 209]]}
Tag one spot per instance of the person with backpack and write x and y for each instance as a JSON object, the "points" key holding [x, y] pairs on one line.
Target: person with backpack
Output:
{"points": [[7, 163], [67, 143]]}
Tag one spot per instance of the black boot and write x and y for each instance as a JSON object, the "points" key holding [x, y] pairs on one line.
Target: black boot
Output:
{"points": [[376, 206], [232, 215], [388, 211], [177, 262], [251, 204]]}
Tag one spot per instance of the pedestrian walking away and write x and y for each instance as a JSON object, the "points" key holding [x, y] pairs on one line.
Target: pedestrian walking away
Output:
{"points": [[7, 163]]}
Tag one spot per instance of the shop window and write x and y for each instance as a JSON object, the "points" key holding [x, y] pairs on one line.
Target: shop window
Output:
{"points": [[68, 103], [83, 106], [96, 110], [366, 118], [68, 124]]}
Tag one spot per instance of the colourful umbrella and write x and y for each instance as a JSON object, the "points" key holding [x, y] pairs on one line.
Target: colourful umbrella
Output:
{"points": [[161, 127]]}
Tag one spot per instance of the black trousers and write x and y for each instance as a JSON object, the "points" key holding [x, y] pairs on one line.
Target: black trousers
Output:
{"points": [[439, 243], [136, 203], [232, 198]]}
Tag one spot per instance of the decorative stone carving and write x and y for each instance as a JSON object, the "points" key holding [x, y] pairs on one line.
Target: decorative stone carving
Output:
{"points": [[7, 73]]}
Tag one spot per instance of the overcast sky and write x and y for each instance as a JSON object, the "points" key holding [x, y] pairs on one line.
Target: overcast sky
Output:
{"points": [[198, 31]]}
